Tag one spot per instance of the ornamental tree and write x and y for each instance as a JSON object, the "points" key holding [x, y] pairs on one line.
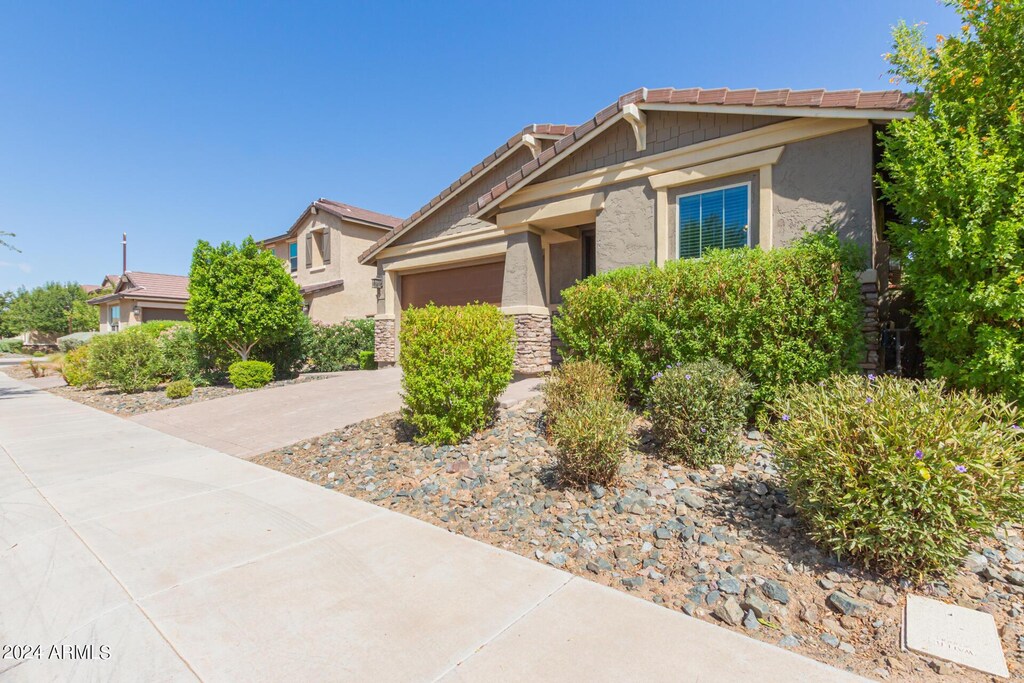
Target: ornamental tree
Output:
{"points": [[240, 295], [55, 308], [955, 175]]}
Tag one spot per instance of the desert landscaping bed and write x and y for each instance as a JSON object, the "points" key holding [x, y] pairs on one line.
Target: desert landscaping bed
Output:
{"points": [[720, 544], [126, 405]]}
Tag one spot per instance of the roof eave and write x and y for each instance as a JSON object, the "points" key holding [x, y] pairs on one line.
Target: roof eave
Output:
{"points": [[791, 112]]}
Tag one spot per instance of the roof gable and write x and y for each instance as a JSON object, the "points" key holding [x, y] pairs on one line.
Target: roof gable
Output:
{"points": [[346, 212]]}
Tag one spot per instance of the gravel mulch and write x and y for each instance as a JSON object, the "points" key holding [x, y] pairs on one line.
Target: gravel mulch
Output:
{"points": [[721, 545], [126, 405]]}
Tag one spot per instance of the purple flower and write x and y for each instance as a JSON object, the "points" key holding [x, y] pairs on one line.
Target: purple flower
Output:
{"points": [[918, 454], [687, 376], [1014, 426], [869, 400], [785, 418], [656, 375], [871, 377], [703, 430], [961, 468]]}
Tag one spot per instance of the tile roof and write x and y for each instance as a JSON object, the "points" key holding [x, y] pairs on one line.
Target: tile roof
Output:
{"points": [[139, 285], [319, 287], [882, 100], [345, 211], [545, 129]]}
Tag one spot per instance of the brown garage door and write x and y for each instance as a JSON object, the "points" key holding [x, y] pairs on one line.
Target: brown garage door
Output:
{"points": [[162, 314], [454, 286]]}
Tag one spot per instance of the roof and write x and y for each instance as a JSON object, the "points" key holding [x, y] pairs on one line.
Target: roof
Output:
{"points": [[545, 130], [138, 285], [802, 102], [344, 211], [89, 289], [331, 284]]}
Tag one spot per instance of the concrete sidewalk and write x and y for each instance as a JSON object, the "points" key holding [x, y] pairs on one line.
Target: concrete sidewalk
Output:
{"points": [[246, 425], [176, 562]]}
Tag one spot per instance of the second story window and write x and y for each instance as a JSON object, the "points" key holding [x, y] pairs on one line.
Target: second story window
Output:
{"points": [[293, 256]]}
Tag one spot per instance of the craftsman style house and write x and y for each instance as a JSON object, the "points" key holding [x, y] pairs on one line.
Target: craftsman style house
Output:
{"points": [[657, 175], [321, 251]]}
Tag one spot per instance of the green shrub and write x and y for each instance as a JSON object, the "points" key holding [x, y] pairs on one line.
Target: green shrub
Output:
{"points": [[592, 436], [330, 348], [696, 411], [574, 382], [128, 360], [154, 328], [11, 345], [179, 388], [250, 374], [74, 340], [75, 367], [899, 475], [182, 358], [367, 360], [288, 354], [456, 361], [786, 315]]}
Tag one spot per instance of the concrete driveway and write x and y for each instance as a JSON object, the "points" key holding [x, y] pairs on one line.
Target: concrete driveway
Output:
{"points": [[176, 562], [245, 425]]}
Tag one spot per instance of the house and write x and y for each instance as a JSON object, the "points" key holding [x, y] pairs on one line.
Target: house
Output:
{"points": [[142, 297], [657, 175], [321, 251]]}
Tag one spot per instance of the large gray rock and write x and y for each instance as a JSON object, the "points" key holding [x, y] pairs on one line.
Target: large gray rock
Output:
{"points": [[841, 602], [730, 612], [775, 591]]}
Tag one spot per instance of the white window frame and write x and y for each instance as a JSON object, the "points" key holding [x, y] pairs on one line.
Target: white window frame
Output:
{"points": [[680, 197]]}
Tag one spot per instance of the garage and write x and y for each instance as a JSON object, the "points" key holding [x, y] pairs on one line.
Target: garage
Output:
{"points": [[149, 314], [455, 286]]}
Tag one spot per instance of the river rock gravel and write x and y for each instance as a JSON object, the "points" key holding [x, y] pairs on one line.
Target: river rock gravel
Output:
{"points": [[721, 544]]}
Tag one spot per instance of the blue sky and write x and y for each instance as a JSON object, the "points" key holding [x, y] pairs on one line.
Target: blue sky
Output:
{"points": [[188, 120]]}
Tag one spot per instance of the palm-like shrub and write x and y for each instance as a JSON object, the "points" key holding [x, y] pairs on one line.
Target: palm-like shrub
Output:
{"points": [[899, 475]]}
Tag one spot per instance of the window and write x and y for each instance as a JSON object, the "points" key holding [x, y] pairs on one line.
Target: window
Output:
{"points": [[589, 253], [115, 317], [719, 219], [293, 256]]}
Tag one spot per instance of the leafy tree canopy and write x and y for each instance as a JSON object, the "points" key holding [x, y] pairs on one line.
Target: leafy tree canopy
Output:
{"points": [[57, 308], [955, 175], [241, 295]]}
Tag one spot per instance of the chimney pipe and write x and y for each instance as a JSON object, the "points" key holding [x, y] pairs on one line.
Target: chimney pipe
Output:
{"points": [[124, 253]]}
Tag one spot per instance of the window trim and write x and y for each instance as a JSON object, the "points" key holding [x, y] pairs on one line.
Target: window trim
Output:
{"points": [[293, 259], [748, 184]]}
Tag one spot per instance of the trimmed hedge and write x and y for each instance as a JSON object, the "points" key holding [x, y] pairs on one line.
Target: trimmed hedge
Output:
{"points": [[899, 475], [787, 315], [181, 388], [250, 374], [456, 361]]}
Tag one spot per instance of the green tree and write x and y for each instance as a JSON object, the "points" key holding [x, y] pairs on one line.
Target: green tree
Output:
{"points": [[6, 299], [6, 244], [955, 175], [57, 308], [240, 296]]}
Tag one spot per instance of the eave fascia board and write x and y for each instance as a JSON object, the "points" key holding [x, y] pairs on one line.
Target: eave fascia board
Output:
{"points": [[789, 112]]}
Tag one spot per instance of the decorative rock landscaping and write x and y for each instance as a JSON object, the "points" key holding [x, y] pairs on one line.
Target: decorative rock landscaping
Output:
{"points": [[720, 544], [126, 405]]}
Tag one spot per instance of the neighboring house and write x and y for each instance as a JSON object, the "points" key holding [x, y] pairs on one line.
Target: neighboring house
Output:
{"points": [[142, 297], [321, 251], [657, 175]]}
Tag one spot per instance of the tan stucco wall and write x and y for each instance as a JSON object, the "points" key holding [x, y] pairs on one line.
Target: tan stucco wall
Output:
{"points": [[524, 271], [357, 298], [129, 317]]}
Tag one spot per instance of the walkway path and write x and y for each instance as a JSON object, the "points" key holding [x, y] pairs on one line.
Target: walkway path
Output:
{"points": [[177, 562]]}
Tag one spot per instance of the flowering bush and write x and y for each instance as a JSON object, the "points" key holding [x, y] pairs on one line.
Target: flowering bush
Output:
{"points": [[786, 315], [456, 361], [329, 348], [587, 423], [897, 474], [696, 410]]}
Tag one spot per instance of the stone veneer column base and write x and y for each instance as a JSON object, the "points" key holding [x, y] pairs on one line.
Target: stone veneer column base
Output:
{"points": [[533, 343], [384, 342]]}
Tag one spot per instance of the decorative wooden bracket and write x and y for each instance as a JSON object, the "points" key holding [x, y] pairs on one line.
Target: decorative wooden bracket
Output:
{"points": [[533, 143], [638, 120]]}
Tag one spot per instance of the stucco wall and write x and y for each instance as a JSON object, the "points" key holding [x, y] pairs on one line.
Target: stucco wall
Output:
{"points": [[524, 271], [625, 228], [665, 131], [357, 298], [822, 175], [566, 267]]}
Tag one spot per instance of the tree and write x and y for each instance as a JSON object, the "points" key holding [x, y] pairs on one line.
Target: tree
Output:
{"points": [[240, 295], [6, 299], [55, 308], [4, 243], [955, 175]]}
